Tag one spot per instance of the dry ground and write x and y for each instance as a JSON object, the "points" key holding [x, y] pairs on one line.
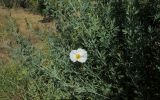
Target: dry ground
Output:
{"points": [[23, 19]]}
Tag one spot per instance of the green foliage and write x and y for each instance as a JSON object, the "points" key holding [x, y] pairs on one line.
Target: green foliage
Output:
{"points": [[123, 44], [12, 74], [120, 37]]}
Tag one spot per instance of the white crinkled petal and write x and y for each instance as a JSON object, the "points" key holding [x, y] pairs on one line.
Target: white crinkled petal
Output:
{"points": [[83, 54], [73, 55], [82, 59]]}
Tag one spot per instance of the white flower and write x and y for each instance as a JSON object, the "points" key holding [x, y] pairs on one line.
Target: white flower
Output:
{"points": [[79, 55]]}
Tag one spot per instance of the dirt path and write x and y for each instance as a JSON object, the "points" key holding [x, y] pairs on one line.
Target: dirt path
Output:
{"points": [[22, 18]]}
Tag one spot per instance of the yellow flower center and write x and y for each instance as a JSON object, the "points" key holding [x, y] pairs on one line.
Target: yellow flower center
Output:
{"points": [[78, 56]]}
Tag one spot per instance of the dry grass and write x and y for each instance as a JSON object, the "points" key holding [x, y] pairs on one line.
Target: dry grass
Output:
{"points": [[23, 20]]}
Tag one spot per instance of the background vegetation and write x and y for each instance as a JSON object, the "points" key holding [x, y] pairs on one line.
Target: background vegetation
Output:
{"points": [[122, 39]]}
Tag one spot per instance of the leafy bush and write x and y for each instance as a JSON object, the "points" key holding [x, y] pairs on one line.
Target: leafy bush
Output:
{"points": [[121, 39], [123, 44], [123, 49]]}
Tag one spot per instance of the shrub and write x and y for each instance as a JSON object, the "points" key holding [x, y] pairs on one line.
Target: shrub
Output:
{"points": [[123, 60], [122, 41]]}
